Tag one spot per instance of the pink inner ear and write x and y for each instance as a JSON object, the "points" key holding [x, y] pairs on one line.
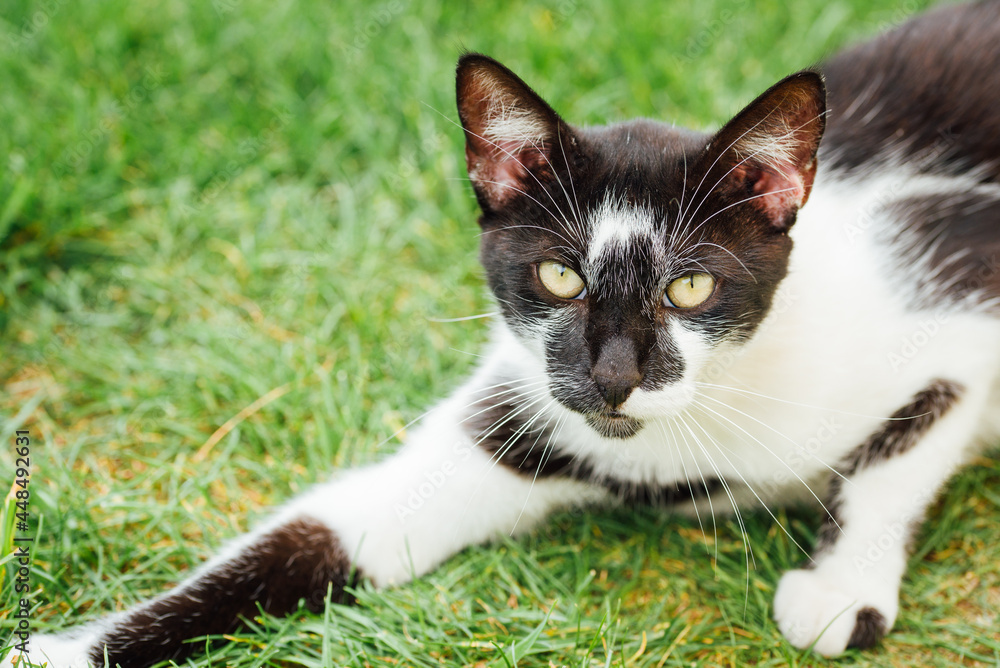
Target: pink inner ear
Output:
{"points": [[503, 171], [778, 190]]}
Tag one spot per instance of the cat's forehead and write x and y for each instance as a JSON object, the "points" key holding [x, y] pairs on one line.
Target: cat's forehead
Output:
{"points": [[636, 187], [641, 155], [627, 249], [635, 172], [616, 225]]}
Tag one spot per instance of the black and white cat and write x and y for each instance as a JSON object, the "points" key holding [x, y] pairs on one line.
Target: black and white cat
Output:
{"points": [[679, 327]]}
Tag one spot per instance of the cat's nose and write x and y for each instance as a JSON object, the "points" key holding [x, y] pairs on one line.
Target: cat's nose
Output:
{"points": [[617, 370]]}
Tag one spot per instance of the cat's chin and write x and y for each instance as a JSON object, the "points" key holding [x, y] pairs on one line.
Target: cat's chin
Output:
{"points": [[615, 426]]}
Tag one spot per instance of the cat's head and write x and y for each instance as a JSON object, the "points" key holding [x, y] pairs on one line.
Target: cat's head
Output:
{"points": [[627, 256]]}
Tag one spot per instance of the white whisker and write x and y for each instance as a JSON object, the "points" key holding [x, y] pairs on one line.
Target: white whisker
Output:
{"points": [[747, 548], [754, 492], [464, 318], [800, 404], [780, 460]]}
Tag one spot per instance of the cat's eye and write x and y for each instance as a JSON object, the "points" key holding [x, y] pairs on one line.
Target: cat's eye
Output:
{"points": [[690, 290], [560, 280]]}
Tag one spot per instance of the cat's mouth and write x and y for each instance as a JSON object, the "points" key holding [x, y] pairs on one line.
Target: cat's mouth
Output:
{"points": [[613, 424]]}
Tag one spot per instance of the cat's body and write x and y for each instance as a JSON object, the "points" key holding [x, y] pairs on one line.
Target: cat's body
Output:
{"points": [[851, 360]]}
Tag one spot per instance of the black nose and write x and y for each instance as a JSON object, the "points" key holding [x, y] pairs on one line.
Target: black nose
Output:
{"points": [[617, 370]]}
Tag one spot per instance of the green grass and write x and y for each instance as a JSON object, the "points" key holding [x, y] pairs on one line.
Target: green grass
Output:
{"points": [[204, 204]]}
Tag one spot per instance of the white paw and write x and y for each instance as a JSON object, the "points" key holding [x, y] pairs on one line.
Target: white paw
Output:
{"points": [[813, 609], [61, 651]]}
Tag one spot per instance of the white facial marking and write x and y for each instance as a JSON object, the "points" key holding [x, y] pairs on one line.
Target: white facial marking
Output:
{"points": [[614, 224]]}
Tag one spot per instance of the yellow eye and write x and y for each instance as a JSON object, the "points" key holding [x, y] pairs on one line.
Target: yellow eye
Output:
{"points": [[690, 290], [560, 280]]}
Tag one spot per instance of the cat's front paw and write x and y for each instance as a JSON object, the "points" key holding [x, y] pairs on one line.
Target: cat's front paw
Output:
{"points": [[814, 609], [54, 651]]}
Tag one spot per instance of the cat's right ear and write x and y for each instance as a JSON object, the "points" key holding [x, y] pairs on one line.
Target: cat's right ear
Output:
{"points": [[510, 132], [769, 149]]}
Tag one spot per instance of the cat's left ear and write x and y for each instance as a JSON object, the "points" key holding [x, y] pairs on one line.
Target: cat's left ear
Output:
{"points": [[768, 151], [510, 132]]}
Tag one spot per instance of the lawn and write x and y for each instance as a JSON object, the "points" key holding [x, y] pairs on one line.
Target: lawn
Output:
{"points": [[234, 240]]}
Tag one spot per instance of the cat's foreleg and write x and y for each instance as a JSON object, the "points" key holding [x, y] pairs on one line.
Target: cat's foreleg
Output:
{"points": [[849, 596], [384, 523]]}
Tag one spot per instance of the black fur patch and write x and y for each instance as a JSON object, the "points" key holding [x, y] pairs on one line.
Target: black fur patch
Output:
{"points": [[833, 521], [299, 560], [902, 431], [895, 437], [960, 237], [502, 429], [869, 629], [925, 91]]}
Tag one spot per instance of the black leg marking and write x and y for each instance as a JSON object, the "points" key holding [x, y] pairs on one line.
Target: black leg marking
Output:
{"points": [[900, 433], [895, 437], [299, 560], [833, 521], [501, 429], [868, 630]]}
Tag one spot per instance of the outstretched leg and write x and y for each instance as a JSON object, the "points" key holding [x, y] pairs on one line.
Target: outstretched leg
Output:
{"points": [[385, 523], [273, 568], [849, 596]]}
